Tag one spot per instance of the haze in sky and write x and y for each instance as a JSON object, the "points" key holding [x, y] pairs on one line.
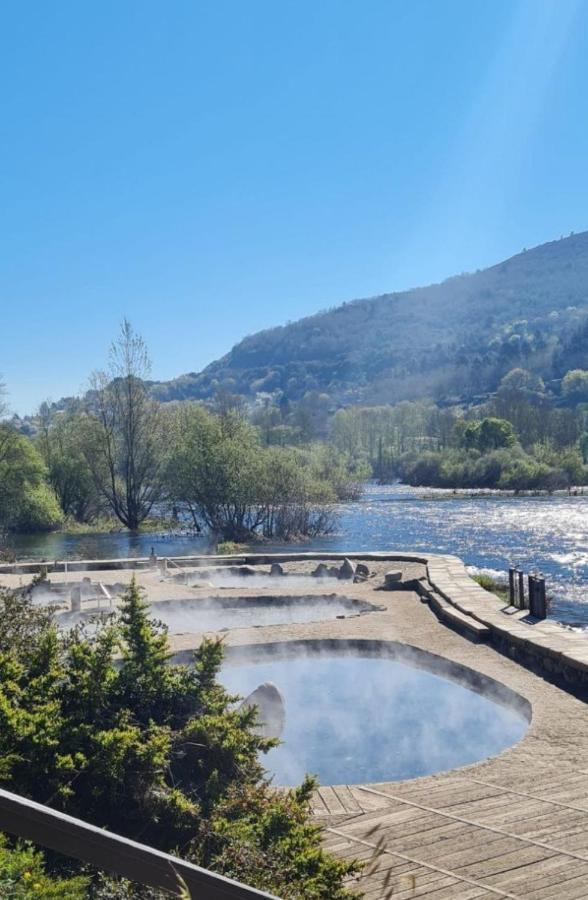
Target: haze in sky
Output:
{"points": [[212, 168]]}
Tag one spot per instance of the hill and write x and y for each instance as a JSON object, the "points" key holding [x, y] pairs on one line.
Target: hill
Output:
{"points": [[450, 339]]}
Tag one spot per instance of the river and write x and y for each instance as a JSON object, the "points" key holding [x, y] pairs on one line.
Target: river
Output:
{"points": [[549, 534]]}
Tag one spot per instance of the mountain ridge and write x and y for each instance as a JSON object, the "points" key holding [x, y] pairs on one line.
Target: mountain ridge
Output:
{"points": [[429, 341]]}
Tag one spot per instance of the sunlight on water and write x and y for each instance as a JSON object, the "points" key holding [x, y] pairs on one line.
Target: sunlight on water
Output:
{"points": [[547, 534]]}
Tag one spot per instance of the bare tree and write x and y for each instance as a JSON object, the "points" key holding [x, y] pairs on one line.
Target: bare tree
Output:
{"points": [[123, 439]]}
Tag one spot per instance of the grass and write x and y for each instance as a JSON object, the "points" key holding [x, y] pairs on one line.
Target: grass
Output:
{"points": [[228, 548], [498, 588]]}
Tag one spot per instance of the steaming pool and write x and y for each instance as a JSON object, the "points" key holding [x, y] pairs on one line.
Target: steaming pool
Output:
{"points": [[359, 711], [227, 613]]}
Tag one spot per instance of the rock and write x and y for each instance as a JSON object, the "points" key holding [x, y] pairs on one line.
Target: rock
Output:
{"points": [[276, 570], [362, 569], [242, 570], [359, 579], [271, 709], [333, 572], [392, 579], [347, 570], [321, 571]]}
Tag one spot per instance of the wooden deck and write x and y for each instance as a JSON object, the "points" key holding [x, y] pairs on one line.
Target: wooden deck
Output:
{"points": [[462, 837]]}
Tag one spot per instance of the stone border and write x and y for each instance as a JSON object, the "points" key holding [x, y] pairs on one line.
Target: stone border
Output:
{"points": [[537, 644]]}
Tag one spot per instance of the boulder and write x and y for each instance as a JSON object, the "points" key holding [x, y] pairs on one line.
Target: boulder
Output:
{"points": [[276, 570], [271, 709], [321, 571], [362, 569], [392, 579], [347, 570]]}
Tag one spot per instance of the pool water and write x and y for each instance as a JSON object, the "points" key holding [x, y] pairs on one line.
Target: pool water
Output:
{"points": [[351, 719], [225, 614]]}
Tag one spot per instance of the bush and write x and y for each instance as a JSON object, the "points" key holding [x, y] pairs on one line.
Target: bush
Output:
{"points": [[39, 510], [23, 876], [115, 734], [239, 490]]}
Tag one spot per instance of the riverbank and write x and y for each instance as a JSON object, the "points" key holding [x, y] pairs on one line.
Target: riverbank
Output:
{"points": [[547, 534]]}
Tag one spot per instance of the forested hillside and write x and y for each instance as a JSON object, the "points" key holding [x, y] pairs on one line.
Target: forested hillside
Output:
{"points": [[450, 340]]}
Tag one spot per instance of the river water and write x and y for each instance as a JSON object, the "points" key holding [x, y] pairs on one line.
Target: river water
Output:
{"points": [[548, 534]]}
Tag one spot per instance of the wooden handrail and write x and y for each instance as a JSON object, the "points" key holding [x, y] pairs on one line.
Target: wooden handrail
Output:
{"points": [[114, 853]]}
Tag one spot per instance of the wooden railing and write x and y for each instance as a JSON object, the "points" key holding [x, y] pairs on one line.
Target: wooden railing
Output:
{"points": [[113, 853]]}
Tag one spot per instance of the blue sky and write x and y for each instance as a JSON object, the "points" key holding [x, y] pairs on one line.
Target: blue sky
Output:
{"points": [[209, 169]]}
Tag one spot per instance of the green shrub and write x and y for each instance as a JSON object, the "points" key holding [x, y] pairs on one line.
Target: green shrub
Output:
{"points": [[115, 734], [23, 877]]}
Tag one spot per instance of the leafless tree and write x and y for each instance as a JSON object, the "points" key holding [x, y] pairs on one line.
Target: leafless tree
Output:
{"points": [[123, 442]]}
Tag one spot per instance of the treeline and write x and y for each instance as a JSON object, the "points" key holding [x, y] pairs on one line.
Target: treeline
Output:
{"points": [[523, 438], [118, 454], [273, 469]]}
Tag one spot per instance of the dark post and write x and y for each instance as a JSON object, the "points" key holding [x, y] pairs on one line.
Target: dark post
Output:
{"points": [[511, 586], [532, 594], [522, 604], [541, 604]]}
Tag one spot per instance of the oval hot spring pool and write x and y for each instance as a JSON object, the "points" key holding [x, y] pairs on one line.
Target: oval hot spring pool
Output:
{"points": [[361, 711]]}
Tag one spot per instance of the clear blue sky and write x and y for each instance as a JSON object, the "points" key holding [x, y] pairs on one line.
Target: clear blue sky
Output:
{"points": [[212, 168]]}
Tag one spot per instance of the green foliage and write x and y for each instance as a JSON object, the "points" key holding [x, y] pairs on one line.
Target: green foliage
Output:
{"points": [[26, 501], [228, 548], [112, 732], [492, 586], [38, 510], [521, 381], [239, 489], [507, 469], [23, 877], [575, 385], [489, 434], [60, 443]]}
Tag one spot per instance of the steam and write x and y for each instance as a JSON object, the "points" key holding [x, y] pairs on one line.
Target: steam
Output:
{"points": [[224, 613], [244, 577], [353, 718]]}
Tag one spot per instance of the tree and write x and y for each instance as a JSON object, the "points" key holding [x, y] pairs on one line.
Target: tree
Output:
{"points": [[59, 442], [521, 381], [3, 404], [123, 434], [26, 501], [489, 434], [215, 470], [574, 385]]}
